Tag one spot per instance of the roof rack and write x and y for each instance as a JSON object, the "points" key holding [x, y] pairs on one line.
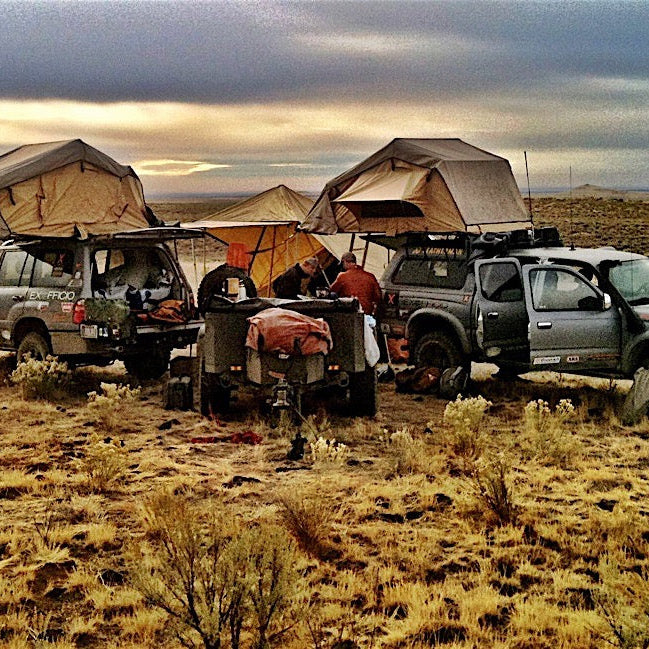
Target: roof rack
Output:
{"points": [[473, 245]]}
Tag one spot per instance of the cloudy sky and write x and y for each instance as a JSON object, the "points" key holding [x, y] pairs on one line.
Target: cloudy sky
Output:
{"points": [[224, 96]]}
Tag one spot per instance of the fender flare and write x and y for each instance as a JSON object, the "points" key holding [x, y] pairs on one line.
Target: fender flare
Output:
{"points": [[426, 318], [26, 324]]}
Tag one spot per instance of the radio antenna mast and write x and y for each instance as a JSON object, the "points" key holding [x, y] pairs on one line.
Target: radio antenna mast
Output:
{"points": [[529, 193], [572, 240]]}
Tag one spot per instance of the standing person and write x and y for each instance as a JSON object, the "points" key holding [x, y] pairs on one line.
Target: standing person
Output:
{"points": [[288, 285], [356, 282]]}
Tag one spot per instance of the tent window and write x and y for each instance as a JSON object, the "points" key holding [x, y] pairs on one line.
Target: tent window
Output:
{"points": [[385, 209], [438, 273]]}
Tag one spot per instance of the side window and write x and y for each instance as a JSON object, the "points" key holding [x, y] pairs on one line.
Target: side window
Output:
{"points": [[560, 290], [501, 282], [53, 267], [437, 273], [12, 267]]}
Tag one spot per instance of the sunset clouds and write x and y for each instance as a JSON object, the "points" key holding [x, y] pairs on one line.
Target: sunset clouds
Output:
{"points": [[240, 96]]}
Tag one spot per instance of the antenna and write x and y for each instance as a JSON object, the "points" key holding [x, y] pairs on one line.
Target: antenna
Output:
{"points": [[572, 240], [529, 193]]}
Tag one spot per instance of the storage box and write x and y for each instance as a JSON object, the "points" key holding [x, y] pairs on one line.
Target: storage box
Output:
{"points": [[180, 394], [266, 368]]}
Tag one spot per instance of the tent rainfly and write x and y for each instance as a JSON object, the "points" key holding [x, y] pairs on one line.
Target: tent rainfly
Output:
{"points": [[426, 185], [266, 225], [68, 188]]}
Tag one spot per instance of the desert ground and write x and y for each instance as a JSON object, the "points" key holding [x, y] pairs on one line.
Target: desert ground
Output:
{"points": [[514, 518]]}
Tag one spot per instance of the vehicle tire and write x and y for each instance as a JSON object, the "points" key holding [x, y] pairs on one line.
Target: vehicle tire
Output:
{"points": [[212, 284], [34, 344], [150, 364], [506, 373], [364, 393], [214, 398], [437, 349]]}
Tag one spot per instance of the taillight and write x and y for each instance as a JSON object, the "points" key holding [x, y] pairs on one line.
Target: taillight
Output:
{"points": [[79, 312]]}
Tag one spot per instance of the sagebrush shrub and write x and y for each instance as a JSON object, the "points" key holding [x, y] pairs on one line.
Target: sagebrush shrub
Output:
{"points": [[41, 379], [328, 451], [108, 407], [407, 452], [465, 416], [547, 431], [622, 601], [221, 585], [104, 461], [309, 520], [492, 486]]}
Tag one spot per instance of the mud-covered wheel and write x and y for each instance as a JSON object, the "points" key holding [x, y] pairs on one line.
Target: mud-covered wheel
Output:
{"points": [[214, 398], [437, 349], [34, 345], [212, 284], [364, 393], [150, 364]]}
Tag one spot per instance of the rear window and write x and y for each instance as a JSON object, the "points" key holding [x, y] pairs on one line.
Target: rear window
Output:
{"points": [[436, 273]]}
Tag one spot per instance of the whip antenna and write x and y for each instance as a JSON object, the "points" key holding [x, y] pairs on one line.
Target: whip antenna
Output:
{"points": [[572, 240], [529, 193]]}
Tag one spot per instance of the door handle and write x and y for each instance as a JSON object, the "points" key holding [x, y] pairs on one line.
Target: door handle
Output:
{"points": [[18, 298], [492, 315], [544, 325]]}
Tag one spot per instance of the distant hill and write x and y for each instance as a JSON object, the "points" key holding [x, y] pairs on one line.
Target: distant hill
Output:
{"points": [[594, 191]]}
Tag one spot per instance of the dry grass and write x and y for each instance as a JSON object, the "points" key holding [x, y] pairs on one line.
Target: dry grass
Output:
{"points": [[410, 542]]}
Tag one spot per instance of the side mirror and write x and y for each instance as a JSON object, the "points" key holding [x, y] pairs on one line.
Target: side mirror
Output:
{"points": [[607, 302], [591, 303]]}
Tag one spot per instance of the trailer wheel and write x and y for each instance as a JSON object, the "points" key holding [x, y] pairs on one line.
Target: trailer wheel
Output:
{"points": [[214, 398], [150, 364], [364, 393], [437, 349]]}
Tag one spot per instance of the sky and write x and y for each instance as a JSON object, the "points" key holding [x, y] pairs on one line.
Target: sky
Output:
{"points": [[213, 97]]}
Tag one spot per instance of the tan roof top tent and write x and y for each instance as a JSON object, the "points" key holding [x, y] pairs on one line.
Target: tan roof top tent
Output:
{"points": [[68, 188], [267, 225], [426, 185]]}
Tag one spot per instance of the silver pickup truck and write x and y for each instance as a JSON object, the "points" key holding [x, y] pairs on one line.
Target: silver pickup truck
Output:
{"points": [[521, 300]]}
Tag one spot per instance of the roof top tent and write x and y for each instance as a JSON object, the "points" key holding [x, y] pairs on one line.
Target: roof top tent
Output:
{"points": [[425, 185], [68, 188], [266, 226]]}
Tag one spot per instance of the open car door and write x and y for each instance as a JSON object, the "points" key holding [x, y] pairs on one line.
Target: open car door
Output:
{"points": [[572, 324], [501, 312]]}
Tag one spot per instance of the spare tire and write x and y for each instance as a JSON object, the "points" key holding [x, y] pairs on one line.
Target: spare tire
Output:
{"points": [[213, 284]]}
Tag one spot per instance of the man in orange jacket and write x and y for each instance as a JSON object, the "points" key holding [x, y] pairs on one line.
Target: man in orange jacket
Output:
{"points": [[358, 283]]}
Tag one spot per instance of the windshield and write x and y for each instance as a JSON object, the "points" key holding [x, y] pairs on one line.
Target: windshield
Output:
{"points": [[631, 279]]}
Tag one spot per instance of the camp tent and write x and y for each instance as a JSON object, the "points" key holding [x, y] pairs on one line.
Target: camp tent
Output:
{"points": [[266, 227], [430, 185], [67, 188]]}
